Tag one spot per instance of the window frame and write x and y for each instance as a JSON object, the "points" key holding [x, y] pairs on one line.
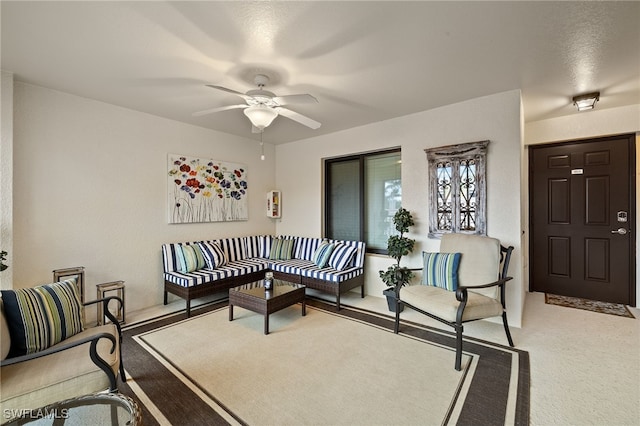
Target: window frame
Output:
{"points": [[454, 154], [361, 178]]}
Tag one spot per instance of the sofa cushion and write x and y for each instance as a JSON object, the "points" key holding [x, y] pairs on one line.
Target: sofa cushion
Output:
{"points": [[242, 267], [257, 246], [342, 256], [190, 279], [441, 270], [233, 248], [42, 316], [190, 257], [306, 247], [321, 255], [170, 261], [213, 255], [291, 266], [330, 274], [281, 249]]}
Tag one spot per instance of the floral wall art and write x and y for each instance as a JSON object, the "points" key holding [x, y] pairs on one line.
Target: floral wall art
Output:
{"points": [[204, 190]]}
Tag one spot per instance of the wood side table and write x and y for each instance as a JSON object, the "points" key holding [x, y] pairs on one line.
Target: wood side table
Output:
{"points": [[102, 290]]}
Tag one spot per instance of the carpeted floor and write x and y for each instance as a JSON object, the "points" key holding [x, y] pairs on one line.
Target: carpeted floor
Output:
{"points": [[329, 367], [589, 305]]}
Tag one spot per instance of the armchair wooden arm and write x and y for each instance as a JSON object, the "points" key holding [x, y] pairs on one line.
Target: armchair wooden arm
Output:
{"points": [[114, 320]]}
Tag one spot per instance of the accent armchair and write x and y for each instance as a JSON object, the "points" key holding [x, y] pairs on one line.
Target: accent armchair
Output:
{"points": [[47, 353], [464, 282]]}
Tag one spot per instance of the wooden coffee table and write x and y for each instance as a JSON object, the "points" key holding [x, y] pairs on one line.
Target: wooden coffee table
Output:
{"points": [[256, 298]]}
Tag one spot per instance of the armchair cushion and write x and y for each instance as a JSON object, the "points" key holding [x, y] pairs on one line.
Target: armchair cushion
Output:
{"points": [[59, 376], [5, 338], [441, 270], [480, 262], [42, 316], [443, 303]]}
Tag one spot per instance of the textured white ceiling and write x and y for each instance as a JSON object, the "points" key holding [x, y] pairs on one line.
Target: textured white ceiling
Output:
{"points": [[363, 61]]}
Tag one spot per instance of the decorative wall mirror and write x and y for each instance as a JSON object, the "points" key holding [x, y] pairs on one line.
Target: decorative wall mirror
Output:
{"points": [[457, 189]]}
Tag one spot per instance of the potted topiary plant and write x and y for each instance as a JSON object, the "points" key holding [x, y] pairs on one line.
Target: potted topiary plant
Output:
{"points": [[397, 276]]}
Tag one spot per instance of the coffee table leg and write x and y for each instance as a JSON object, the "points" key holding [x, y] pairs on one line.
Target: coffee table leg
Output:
{"points": [[304, 307], [266, 323], [230, 312]]}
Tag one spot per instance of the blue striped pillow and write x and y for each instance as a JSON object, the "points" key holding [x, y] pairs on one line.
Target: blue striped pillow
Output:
{"points": [[281, 249], [321, 255], [342, 256], [213, 255], [42, 316], [441, 270]]}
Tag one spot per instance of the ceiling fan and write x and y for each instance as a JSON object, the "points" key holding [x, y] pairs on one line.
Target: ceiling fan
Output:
{"points": [[262, 106]]}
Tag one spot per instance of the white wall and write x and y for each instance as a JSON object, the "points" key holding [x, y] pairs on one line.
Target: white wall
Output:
{"points": [[6, 176], [90, 189], [496, 117], [584, 125]]}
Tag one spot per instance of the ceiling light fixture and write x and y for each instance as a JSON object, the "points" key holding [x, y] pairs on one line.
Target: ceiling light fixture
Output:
{"points": [[586, 101], [261, 146], [261, 116]]}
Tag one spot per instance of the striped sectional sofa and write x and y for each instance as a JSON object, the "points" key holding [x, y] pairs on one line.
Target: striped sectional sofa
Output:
{"points": [[230, 262]]}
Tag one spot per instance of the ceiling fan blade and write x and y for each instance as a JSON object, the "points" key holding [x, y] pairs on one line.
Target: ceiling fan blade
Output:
{"points": [[218, 109], [298, 117], [235, 92], [295, 99]]}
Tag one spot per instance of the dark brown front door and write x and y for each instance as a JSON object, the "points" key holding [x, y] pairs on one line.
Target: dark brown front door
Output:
{"points": [[582, 198]]}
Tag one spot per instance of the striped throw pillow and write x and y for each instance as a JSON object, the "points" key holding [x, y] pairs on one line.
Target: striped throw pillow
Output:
{"points": [[281, 249], [441, 270], [190, 258], [42, 316], [342, 256], [213, 255], [321, 255]]}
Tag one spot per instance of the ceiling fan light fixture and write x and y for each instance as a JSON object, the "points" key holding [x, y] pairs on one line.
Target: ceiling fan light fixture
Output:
{"points": [[261, 116], [586, 101]]}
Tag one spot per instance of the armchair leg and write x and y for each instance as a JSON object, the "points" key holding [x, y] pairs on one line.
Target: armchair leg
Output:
{"points": [[506, 328], [123, 376], [458, 365]]}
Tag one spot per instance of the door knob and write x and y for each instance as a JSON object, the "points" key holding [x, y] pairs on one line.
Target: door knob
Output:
{"points": [[620, 231]]}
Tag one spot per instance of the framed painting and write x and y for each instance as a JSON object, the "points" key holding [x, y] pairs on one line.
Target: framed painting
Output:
{"points": [[205, 190]]}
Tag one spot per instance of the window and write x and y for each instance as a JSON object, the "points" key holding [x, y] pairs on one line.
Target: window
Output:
{"points": [[362, 193], [457, 189]]}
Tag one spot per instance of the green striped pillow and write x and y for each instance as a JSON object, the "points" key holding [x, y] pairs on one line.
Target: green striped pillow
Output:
{"points": [[42, 316], [441, 270], [190, 258], [281, 249]]}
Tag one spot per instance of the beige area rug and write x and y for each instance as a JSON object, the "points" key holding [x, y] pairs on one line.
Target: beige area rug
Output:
{"points": [[326, 368], [588, 305]]}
